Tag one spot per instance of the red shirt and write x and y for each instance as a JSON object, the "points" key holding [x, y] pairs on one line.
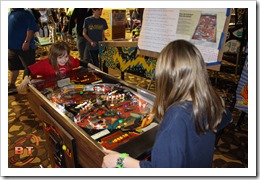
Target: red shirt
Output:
{"points": [[45, 69]]}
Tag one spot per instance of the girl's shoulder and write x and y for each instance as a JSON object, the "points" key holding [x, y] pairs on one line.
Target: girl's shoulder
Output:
{"points": [[185, 106], [72, 58], [178, 115], [180, 110], [74, 61], [45, 60], [43, 63]]}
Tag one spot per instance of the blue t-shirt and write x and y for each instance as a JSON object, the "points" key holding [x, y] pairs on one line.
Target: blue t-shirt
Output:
{"points": [[95, 28], [177, 144], [19, 22]]}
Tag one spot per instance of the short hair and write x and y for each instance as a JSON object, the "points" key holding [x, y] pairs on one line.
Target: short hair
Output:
{"points": [[93, 9]]}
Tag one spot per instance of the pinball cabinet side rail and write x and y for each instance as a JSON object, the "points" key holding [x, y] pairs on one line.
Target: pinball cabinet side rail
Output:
{"points": [[81, 150]]}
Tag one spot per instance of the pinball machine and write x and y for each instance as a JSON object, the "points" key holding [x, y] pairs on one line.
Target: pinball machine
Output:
{"points": [[89, 111]]}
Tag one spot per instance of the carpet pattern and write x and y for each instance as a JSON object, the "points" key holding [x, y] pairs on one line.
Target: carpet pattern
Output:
{"points": [[27, 143]]}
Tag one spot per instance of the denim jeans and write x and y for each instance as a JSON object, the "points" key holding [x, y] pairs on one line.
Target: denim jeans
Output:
{"points": [[83, 48], [94, 57]]}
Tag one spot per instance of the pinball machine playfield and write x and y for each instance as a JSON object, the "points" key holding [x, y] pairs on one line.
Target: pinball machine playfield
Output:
{"points": [[88, 111]]}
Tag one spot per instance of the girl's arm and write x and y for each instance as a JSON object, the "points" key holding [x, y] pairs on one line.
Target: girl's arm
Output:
{"points": [[86, 65], [83, 63], [26, 79], [25, 82], [111, 157], [28, 73]]}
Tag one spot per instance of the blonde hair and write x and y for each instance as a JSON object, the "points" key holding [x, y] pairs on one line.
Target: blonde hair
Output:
{"points": [[58, 49], [181, 73]]}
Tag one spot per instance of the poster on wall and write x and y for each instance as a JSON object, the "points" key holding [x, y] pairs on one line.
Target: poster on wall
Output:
{"points": [[118, 17], [206, 28]]}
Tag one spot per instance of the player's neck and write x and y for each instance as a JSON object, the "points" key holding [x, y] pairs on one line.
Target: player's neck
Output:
{"points": [[96, 16]]}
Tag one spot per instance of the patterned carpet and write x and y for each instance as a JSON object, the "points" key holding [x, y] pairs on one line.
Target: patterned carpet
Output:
{"points": [[23, 125]]}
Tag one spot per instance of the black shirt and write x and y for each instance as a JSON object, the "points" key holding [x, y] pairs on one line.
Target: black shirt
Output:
{"points": [[79, 15]]}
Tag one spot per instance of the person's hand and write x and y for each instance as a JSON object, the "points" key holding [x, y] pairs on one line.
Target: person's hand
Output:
{"points": [[26, 46], [24, 83], [110, 159], [93, 43]]}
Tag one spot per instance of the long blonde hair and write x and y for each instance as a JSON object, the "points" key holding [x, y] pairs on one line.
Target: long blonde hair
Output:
{"points": [[58, 49], [181, 73]]}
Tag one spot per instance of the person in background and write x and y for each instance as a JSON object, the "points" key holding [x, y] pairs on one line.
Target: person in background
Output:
{"points": [[58, 63], [53, 15], [77, 19], [63, 22], [44, 20], [189, 110], [37, 16], [48, 21], [94, 31], [21, 43], [53, 24]]}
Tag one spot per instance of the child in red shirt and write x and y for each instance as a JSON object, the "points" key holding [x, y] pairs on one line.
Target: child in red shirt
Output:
{"points": [[58, 63]]}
